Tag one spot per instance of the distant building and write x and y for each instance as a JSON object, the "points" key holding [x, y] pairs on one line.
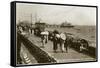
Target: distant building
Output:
{"points": [[66, 24], [40, 24]]}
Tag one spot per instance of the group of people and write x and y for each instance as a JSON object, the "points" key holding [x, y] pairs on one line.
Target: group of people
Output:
{"points": [[59, 40]]}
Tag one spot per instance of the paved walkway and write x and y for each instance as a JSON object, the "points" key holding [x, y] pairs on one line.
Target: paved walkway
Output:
{"points": [[71, 56]]}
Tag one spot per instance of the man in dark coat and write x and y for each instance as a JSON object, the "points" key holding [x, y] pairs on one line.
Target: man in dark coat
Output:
{"points": [[55, 40]]}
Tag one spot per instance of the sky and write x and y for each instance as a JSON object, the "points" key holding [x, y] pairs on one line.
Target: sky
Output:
{"points": [[56, 14]]}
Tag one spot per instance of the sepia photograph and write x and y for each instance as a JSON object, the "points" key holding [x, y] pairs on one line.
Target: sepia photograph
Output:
{"points": [[51, 33]]}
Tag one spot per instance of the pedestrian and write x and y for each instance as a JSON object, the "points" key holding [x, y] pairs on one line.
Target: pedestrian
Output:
{"points": [[62, 41], [66, 44], [55, 40], [31, 30], [44, 38]]}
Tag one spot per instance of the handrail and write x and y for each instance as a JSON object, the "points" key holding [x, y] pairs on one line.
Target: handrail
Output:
{"points": [[40, 55]]}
